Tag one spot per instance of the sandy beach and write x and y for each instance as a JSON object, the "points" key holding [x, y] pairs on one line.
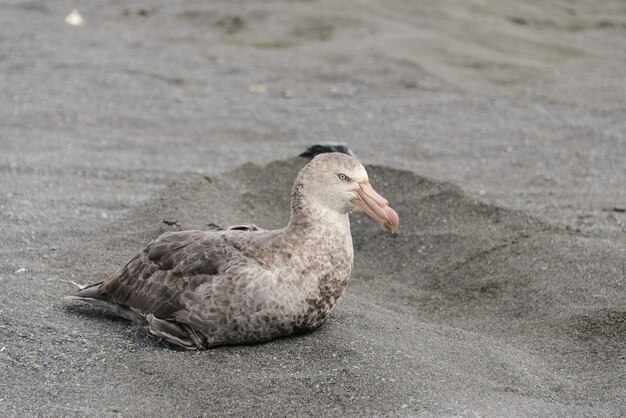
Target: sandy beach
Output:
{"points": [[495, 129]]}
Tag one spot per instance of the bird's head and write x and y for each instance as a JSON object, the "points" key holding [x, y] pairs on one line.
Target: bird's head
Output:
{"points": [[340, 183]]}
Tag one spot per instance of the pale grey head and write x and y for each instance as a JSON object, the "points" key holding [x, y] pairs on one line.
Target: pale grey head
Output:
{"points": [[338, 182]]}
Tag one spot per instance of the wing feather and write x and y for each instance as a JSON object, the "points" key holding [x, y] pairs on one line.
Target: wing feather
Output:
{"points": [[153, 281]]}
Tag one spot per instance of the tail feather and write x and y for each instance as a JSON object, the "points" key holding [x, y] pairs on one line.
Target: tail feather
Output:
{"points": [[92, 294], [92, 291], [174, 332]]}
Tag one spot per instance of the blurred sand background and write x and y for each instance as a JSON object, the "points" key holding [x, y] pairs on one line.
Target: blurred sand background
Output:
{"points": [[496, 128]]}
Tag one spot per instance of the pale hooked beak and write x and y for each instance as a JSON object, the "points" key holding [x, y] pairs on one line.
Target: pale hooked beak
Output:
{"points": [[376, 206]]}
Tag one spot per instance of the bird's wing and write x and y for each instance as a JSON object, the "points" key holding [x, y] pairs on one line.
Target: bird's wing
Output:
{"points": [[153, 281]]}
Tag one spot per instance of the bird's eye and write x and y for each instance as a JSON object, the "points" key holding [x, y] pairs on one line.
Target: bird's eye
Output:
{"points": [[342, 176]]}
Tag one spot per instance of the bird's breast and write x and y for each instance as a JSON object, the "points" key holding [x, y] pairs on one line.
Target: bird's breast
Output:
{"points": [[316, 280]]}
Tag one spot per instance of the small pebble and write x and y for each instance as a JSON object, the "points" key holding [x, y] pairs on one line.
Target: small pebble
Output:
{"points": [[74, 19], [257, 88]]}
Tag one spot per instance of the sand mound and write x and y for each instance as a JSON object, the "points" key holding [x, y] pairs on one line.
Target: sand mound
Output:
{"points": [[471, 309]]}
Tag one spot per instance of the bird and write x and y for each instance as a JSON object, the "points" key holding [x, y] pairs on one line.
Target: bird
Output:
{"points": [[317, 149], [243, 284]]}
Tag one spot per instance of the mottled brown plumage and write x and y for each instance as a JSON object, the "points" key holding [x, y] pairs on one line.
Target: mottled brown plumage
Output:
{"points": [[242, 284]]}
